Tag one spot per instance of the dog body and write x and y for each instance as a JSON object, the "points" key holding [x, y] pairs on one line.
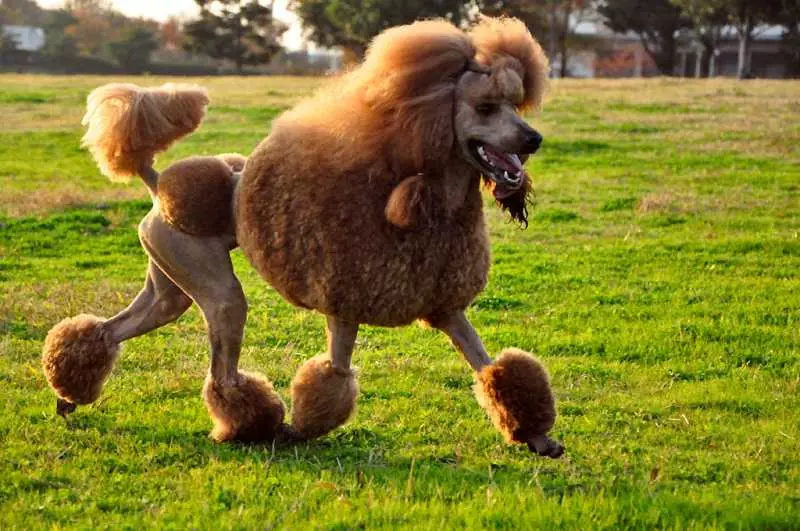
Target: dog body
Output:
{"points": [[363, 203], [330, 247]]}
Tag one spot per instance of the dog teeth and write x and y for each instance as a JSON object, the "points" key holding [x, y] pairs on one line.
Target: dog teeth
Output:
{"points": [[482, 153]]}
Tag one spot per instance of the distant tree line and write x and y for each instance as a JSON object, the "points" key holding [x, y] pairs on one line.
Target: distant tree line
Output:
{"points": [[351, 24], [245, 33], [87, 32], [91, 35]]}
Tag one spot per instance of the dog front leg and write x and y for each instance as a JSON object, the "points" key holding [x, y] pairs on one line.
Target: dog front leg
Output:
{"points": [[324, 389], [465, 339], [514, 390]]}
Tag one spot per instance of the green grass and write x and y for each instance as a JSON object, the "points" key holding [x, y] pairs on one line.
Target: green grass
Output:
{"points": [[658, 281]]}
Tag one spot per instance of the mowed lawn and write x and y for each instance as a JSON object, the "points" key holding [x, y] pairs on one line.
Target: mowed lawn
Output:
{"points": [[659, 280]]}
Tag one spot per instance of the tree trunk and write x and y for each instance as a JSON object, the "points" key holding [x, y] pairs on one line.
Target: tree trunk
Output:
{"points": [[745, 33], [552, 35], [712, 63], [563, 53], [665, 56], [698, 63]]}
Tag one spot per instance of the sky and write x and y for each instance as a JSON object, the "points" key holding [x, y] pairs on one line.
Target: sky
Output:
{"points": [[163, 9]]}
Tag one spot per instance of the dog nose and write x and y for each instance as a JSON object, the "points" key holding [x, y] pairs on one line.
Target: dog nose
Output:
{"points": [[532, 142]]}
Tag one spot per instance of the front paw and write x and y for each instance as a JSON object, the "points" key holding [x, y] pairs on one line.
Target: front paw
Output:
{"points": [[515, 392], [546, 447]]}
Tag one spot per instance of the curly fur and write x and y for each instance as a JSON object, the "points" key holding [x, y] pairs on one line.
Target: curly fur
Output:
{"points": [[325, 209], [247, 410], [195, 196], [128, 125], [77, 357], [323, 397], [515, 392]]}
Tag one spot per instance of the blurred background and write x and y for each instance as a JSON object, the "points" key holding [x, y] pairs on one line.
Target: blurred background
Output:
{"points": [[605, 38]]}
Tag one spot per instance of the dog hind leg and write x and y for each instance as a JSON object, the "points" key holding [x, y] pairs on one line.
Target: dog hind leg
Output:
{"points": [[80, 351], [159, 303], [243, 406], [324, 390], [514, 390]]}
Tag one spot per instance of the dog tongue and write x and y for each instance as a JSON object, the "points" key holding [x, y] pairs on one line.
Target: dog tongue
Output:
{"points": [[505, 161]]}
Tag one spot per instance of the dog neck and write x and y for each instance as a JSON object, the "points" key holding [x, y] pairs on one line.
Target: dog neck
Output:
{"points": [[459, 180]]}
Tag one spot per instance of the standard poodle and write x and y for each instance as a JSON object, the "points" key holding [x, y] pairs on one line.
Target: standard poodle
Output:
{"points": [[363, 203]]}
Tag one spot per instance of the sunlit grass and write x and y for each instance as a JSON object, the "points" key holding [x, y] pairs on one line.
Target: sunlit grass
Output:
{"points": [[658, 281]]}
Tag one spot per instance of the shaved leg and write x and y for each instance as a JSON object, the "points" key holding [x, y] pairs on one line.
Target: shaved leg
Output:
{"points": [[341, 340], [465, 339], [242, 406], [160, 302], [202, 268]]}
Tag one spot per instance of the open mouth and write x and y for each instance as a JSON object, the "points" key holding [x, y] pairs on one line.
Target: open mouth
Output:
{"points": [[503, 169]]}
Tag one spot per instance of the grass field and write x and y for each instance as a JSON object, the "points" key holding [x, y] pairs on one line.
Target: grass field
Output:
{"points": [[659, 280]]}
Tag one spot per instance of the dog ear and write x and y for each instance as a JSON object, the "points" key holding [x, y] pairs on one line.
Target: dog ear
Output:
{"points": [[410, 204], [426, 125]]}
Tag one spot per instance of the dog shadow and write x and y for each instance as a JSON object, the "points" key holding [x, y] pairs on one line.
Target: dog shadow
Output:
{"points": [[351, 455]]}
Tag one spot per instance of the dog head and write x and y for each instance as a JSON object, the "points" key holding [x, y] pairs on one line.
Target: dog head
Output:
{"points": [[508, 78], [445, 93]]}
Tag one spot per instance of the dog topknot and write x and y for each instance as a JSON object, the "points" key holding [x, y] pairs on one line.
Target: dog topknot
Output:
{"points": [[502, 38]]}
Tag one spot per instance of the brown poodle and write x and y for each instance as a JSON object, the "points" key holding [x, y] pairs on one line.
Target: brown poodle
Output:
{"points": [[363, 203]]}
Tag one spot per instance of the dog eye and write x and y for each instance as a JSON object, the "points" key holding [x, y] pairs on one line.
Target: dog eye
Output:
{"points": [[486, 108]]}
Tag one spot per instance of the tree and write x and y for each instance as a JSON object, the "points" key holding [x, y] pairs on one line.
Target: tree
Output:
{"points": [[171, 33], [8, 47], [789, 18], [57, 42], [351, 24], [656, 22], [557, 19], [242, 31], [132, 51], [23, 12], [709, 20], [92, 28], [746, 16]]}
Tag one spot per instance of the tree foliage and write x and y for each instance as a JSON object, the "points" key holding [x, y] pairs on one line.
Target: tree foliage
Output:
{"points": [[133, 49], [351, 24], [656, 22], [58, 43], [789, 18], [709, 19], [242, 31], [21, 12], [553, 22]]}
